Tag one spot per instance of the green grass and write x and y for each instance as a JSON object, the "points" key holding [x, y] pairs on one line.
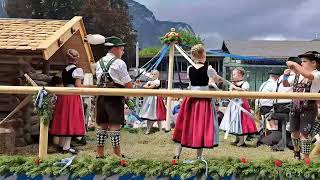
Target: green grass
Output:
{"points": [[159, 146]]}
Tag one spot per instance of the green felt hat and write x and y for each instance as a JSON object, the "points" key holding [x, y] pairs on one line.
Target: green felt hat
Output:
{"points": [[114, 41]]}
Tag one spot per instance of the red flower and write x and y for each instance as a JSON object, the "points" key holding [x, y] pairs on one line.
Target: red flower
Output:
{"points": [[123, 162], [243, 160], [278, 163], [307, 161], [37, 161], [174, 162]]}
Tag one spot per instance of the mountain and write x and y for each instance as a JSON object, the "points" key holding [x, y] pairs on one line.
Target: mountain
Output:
{"points": [[3, 13], [149, 29]]}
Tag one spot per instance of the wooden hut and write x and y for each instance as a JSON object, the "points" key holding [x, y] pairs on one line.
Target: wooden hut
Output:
{"points": [[36, 47]]}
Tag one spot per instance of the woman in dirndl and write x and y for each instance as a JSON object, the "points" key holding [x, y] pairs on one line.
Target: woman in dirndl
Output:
{"points": [[197, 124], [68, 118], [153, 108], [237, 118]]}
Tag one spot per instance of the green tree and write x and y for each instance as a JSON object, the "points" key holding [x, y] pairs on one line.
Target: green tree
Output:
{"points": [[43, 9], [190, 39], [110, 18], [149, 52]]}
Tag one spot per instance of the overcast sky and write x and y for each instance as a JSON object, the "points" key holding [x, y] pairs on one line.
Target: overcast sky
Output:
{"points": [[216, 20]]}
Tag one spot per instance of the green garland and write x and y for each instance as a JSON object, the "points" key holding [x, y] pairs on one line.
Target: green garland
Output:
{"points": [[270, 169], [45, 113]]}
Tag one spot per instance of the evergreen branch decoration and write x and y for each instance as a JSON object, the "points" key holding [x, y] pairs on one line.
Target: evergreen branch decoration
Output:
{"points": [[112, 166], [46, 112]]}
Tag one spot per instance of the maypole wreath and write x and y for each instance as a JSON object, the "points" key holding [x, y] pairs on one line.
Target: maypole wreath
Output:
{"points": [[171, 37]]}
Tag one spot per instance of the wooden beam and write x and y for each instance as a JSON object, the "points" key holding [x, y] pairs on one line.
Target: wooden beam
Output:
{"points": [[152, 92], [23, 103], [87, 47], [55, 41]]}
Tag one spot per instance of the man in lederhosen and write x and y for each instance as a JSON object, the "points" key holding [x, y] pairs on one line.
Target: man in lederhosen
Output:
{"points": [[111, 72]]}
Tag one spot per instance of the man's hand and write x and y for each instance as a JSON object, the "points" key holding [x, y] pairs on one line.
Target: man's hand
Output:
{"points": [[292, 65]]}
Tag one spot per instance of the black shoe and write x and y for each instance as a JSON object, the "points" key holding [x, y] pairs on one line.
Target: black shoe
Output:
{"points": [[242, 145], [259, 143], [275, 148], [176, 157], [235, 143], [70, 150], [297, 155], [81, 142], [100, 157], [59, 149]]}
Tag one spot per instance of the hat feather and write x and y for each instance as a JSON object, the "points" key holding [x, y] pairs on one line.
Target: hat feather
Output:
{"points": [[95, 39]]}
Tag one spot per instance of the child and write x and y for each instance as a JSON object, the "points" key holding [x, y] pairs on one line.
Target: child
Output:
{"points": [[303, 112], [237, 119], [197, 124], [153, 108]]}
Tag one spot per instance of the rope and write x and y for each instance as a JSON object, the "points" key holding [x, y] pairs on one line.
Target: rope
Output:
{"points": [[163, 53], [153, 57], [206, 163], [147, 67], [66, 162], [188, 161], [185, 55]]}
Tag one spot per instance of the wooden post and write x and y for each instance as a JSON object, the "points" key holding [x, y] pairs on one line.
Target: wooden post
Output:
{"points": [[170, 80], [44, 130], [43, 141]]}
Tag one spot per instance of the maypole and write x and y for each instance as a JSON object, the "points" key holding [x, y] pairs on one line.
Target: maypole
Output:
{"points": [[170, 80], [171, 38]]}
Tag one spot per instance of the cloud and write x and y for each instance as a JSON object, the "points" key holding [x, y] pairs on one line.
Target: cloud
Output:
{"points": [[242, 19], [274, 37]]}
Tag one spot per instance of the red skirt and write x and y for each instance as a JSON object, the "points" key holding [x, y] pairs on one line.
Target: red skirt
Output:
{"points": [[195, 124], [161, 109], [247, 123], [68, 117]]}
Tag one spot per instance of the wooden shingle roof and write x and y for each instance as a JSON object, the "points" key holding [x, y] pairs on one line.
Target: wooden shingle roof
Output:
{"points": [[43, 38], [24, 34]]}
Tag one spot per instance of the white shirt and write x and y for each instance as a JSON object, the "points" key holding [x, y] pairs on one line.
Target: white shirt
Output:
{"points": [[155, 82], [118, 69], [77, 73], [267, 86], [280, 88], [315, 86], [244, 85]]}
